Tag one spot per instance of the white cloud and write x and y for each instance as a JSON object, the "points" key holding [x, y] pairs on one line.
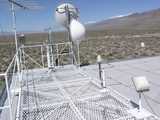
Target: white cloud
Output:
{"points": [[119, 16], [90, 22]]}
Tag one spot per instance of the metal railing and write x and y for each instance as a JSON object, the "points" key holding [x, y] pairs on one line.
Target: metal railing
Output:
{"points": [[13, 76], [48, 55], [7, 94]]}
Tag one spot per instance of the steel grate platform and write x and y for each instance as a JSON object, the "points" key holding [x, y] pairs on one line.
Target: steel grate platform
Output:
{"points": [[70, 94]]}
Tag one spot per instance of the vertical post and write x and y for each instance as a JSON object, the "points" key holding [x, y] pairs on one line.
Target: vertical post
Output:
{"points": [[68, 14], [57, 59], [48, 57], [19, 101], [8, 96], [42, 56], [78, 55], [71, 46], [50, 46], [103, 79], [20, 57], [140, 102], [15, 34], [99, 61], [23, 55], [142, 48], [100, 71]]}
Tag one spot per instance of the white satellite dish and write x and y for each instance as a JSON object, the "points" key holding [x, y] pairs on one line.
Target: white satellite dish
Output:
{"points": [[62, 16], [77, 31]]}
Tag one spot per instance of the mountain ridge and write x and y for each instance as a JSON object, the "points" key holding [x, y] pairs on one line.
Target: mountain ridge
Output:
{"points": [[136, 21]]}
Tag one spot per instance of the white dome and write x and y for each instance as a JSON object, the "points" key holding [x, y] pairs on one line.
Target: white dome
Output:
{"points": [[77, 31], [61, 16]]}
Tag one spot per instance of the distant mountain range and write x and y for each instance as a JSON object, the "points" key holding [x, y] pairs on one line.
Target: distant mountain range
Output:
{"points": [[149, 20]]}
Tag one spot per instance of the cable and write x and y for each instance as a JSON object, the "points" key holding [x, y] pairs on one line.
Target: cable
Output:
{"points": [[149, 104]]}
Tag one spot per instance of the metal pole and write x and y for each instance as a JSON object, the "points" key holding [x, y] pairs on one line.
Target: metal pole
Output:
{"points": [[140, 102], [23, 57], [19, 102], [57, 60], [100, 73], [103, 79], [69, 31], [50, 46], [20, 57], [48, 57], [42, 56], [71, 48], [78, 55], [15, 34], [99, 61], [8, 95]]}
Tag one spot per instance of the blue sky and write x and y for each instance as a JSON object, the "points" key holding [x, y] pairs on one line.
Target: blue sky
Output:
{"points": [[90, 11]]}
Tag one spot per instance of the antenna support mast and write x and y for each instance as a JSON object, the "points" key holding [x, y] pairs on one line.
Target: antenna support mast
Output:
{"points": [[15, 32], [13, 3]]}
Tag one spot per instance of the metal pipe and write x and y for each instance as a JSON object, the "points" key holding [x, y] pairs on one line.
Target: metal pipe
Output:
{"points": [[2, 74], [48, 57], [99, 61], [32, 46], [57, 60], [39, 45], [50, 46], [15, 33], [140, 102], [9, 99], [4, 107], [10, 64], [20, 57], [100, 72], [42, 56], [13, 82], [78, 55], [68, 14], [19, 104], [103, 79], [18, 107], [23, 57]]}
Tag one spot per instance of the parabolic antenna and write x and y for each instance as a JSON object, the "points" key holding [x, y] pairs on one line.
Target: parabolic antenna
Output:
{"points": [[64, 12], [77, 31]]}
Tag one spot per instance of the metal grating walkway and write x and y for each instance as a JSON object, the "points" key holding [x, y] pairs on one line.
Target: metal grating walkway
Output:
{"points": [[71, 94]]}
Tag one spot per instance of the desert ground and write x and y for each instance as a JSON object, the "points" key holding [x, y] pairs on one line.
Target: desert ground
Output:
{"points": [[111, 45]]}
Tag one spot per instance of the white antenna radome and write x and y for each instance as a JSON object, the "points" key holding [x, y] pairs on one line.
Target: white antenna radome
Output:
{"points": [[66, 14], [62, 16], [77, 31]]}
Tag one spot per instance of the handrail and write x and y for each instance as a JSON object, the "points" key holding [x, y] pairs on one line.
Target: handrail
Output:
{"points": [[33, 60], [43, 45], [2, 74], [11, 63]]}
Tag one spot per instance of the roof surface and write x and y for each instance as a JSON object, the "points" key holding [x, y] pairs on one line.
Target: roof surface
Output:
{"points": [[71, 93], [118, 76]]}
